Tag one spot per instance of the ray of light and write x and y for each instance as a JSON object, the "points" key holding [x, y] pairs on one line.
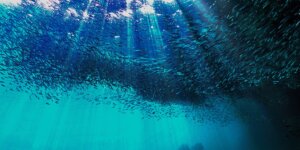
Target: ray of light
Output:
{"points": [[204, 11], [104, 15], [129, 30], [155, 31], [77, 34]]}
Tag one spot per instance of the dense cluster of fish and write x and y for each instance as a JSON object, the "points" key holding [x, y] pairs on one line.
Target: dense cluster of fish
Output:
{"points": [[208, 48]]}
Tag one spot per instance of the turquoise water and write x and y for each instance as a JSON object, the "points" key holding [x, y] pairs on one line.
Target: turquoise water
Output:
{"points": [[77, 124], [149, 75]]}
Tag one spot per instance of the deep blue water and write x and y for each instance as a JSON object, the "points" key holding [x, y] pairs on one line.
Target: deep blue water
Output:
{"points": [[149, 74]]}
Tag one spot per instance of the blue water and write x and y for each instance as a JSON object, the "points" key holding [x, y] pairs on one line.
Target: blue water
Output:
{"points": [[149, 75]]}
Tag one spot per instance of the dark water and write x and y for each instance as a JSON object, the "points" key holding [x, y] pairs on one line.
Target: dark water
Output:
{"points": [[150, 74]]}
